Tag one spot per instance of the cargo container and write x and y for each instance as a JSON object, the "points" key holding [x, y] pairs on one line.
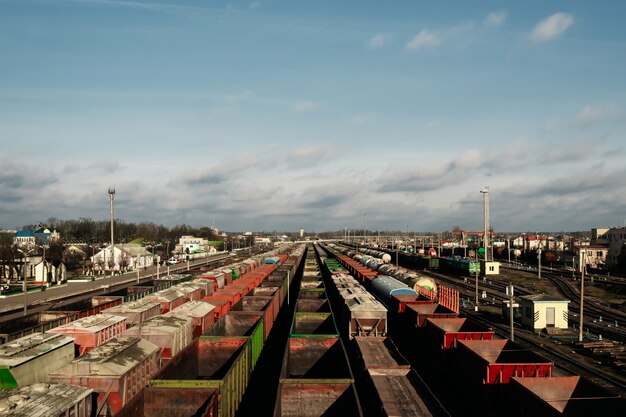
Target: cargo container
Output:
{"points": [[91, 306], [249, 326], [313, 324], [29, 359], [496, 361], [364, 316], [34, 323], [388, 373], [207, 286], [190, 292], [200, 312], [446, 331], [416, 314], [312, 305], [171, 333], [258, 305], [117, 371], [316, 379], [135, 311], [92, 331], [216, 277], [567, 396], [384, 288], [169, 299], [218, 366], [221, 305], [47, 400]]}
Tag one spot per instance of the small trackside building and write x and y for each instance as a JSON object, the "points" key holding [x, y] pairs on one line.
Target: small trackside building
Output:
{"points": [[542, 311]]}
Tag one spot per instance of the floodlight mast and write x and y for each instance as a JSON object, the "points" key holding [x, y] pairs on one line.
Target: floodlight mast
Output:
{"points": [[485, 193]]}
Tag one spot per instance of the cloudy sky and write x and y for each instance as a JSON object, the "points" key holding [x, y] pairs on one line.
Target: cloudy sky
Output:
{"points": [[274, 114]]}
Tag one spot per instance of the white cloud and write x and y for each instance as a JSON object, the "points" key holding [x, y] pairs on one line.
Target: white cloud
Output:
{"points": [[592, 114], [425, 38], [304, 106], [431, 39], [552, 27], [379, 40], [495, 19]]}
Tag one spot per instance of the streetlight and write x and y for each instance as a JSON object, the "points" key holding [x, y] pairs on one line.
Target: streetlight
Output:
{"points": [[24, 286]]}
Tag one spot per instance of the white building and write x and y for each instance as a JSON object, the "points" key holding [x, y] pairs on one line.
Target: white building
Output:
{"points": [[128, 256], [194, 245], [544, 311], [592, 256], [47, 274], [260, 240]]}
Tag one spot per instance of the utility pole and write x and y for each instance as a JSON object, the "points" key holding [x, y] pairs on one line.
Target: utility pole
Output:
{"points": [[509, 292], [476, 273], [111, 196], [582, 295], [538, 257], [485, 193]]}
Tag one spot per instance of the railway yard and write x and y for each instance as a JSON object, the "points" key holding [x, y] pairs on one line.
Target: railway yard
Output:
{"points": [[316, 329]]}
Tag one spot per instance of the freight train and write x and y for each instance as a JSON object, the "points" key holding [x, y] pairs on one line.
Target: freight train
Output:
{"points": [[475, 373], [117, 365], [465, 266], [380, 265]]}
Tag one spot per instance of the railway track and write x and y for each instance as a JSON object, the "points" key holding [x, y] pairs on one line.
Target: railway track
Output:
{"points": [[566, 360]]}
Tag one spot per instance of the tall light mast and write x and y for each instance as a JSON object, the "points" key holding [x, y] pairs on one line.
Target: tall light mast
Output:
{"points": [[111, 195], [485, 192]]}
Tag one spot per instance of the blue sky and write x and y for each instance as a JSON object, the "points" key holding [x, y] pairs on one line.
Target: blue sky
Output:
{"points": [[267, 115]]}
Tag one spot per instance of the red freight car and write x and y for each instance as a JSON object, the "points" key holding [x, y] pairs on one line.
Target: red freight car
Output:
{"points": [[117, 371], [90, 332], [496, 361], [191, 292], [446, 331], [169, 299]]}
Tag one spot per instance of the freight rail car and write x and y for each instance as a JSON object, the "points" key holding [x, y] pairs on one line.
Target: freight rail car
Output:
{"points": [[386, 384], [29, 360], [92, 331], [316, 378], [210, 375], [117, 371], [462, 265], [43, 399], [488, 371]]}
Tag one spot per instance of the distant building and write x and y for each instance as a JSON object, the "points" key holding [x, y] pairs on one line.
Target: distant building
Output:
{"points": [[128, 256], [301, 232], [262, 240], [593, 256], [41, 236], [24, 238], [616, 243], [189, 245], [534, 242], [47, 274]]}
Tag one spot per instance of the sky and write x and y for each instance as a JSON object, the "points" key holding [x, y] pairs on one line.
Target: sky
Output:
{"points": [[322, 115]]}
